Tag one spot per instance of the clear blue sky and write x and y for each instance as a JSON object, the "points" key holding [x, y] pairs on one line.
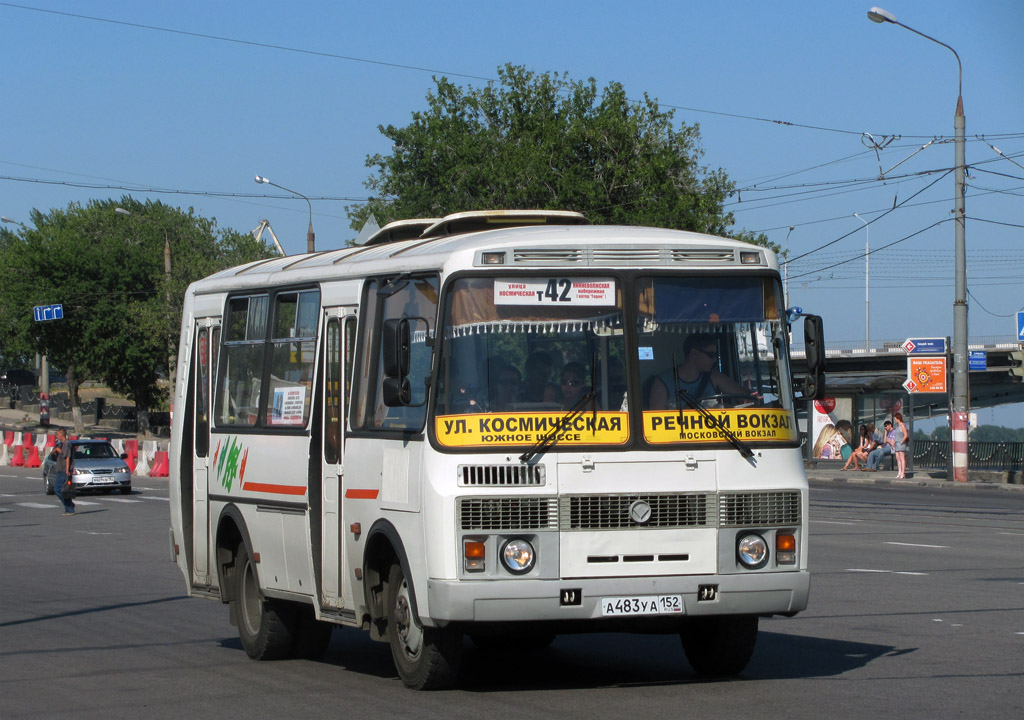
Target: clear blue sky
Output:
{"points": [[103, 94]]}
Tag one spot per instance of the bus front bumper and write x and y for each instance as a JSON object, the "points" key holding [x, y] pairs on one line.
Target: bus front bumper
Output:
{"points": [[767, 593]]}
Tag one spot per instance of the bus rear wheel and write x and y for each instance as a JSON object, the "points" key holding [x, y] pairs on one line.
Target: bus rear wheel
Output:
{"points": [[426, 658], [266, 627], [719, 646]]}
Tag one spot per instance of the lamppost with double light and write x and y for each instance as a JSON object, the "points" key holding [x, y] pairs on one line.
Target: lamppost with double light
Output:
{"points": [[310, 237], [867, 283], [961, 390]]}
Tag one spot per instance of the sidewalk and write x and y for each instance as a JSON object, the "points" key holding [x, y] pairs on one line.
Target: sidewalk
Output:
{"points": [[22, 421], [921, 477]]}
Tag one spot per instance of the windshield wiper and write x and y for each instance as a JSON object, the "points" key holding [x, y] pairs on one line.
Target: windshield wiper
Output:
{"points": [[709, 418], [551, 436]]}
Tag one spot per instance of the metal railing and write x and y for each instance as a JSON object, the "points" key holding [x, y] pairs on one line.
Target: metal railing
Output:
{"points": [[981, 455]]}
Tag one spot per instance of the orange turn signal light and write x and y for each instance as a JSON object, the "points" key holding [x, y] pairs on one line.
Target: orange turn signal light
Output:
{"points": [[785, 543], [474, 550]]}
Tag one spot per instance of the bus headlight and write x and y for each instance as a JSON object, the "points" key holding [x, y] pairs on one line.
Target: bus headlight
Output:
{"points": [[752, 551], [519, 556]]}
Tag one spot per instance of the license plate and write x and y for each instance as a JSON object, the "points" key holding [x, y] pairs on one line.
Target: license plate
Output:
{"points": [[642, 605], [102, 481]]}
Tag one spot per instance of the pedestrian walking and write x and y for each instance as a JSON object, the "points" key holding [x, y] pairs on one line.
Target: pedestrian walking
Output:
{"points": [[64, 488]]}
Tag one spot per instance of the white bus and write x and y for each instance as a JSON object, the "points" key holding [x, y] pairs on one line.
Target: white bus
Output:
{"points": [[467, 427]]}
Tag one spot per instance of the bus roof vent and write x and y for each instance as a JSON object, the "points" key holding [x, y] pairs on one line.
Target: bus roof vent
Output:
{"points": [[500, 475], [401, 230], [702, 255], [549, 256], [625, 256], [478, 220]]}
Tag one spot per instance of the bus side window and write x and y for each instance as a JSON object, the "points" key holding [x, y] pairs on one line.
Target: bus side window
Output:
{"points": [[416, 299]]}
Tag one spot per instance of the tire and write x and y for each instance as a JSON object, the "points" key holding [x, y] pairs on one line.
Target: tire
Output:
{"points": [[48, 485], [127, 490], [312, 636], [426, 658], [528, 640], [720, 646], [266, 627]]}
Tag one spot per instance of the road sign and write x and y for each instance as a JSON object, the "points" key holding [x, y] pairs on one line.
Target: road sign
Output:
{"points": [[977, 360], [48, 312], [925, 346], [926, 374], [1020, 326]]}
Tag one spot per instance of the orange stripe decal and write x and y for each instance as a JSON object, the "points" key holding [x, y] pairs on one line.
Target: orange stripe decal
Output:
{"points": [[362, 494], [275, 489]]}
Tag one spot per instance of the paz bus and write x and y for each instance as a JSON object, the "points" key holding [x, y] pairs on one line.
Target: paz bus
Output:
{"points": [[450, 433]]}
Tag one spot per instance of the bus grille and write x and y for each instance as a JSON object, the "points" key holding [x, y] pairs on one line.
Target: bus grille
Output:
{"points": [[517, 513], [696, 255], [500, 475], [759, 508], [612, 512], [550, 256]]}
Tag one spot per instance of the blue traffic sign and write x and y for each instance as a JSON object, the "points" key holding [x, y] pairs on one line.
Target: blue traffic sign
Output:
{"points": [[1020, 326], [977, 360], [48, 312], [925, 346]]}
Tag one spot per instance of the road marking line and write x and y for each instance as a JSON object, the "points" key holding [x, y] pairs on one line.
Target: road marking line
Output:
{"points": [[151, 497], [884, 572], [939, 547], [6, 510], [39, 505], [1002, 533], [85, 502], [120, 500]]}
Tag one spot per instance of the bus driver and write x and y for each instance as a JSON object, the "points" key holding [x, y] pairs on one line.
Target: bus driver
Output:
{"points": [[697, 375]]}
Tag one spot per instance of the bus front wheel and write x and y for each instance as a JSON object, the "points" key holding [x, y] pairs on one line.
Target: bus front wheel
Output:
{"points": [[426, 658], [266, 627], [719, 646]]}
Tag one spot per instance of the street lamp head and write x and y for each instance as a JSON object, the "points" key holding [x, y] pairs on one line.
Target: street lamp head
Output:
{"points": [[878, 15], [260, 180], [7, 220], [121, 211]]}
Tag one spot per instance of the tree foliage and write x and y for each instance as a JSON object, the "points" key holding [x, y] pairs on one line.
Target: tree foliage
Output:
{"points": [[544, 141], [122, 311]]}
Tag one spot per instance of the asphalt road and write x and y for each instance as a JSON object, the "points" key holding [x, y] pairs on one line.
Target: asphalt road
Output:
{"points": [[917, 610]]}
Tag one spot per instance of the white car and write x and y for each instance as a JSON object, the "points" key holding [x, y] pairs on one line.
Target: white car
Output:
{"points": [[96, 466]]}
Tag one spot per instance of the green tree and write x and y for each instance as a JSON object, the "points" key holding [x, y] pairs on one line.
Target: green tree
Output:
{"points": [[122, 310], [544, 141]]}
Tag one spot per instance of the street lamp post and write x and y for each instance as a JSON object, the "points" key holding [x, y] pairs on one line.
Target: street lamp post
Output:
{"points": [[172, 355], [961, 390], [785, 283], [44, 365], [310, 237], [867, 283]]}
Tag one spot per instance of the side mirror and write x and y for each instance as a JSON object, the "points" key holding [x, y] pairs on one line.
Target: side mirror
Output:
{"points": [[814, 349], [397, 392], [396, 348]]}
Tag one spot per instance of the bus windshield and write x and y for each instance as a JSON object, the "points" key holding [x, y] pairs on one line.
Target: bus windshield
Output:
{"points": [[518, 353]]}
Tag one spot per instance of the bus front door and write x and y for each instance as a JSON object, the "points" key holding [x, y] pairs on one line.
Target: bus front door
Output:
{"points": [[339, 336], [207, 335]]}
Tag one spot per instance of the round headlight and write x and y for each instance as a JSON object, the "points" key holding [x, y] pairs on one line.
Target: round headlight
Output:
{"points": [[752, 551], [519, 556]]}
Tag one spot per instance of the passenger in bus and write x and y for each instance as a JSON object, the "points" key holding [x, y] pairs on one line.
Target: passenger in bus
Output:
{"points": [[697, 375], [505, 388], [573, 387], [537, 386]]}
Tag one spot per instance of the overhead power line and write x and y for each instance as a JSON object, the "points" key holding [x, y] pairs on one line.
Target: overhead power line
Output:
{"points": [[401, 66]]}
